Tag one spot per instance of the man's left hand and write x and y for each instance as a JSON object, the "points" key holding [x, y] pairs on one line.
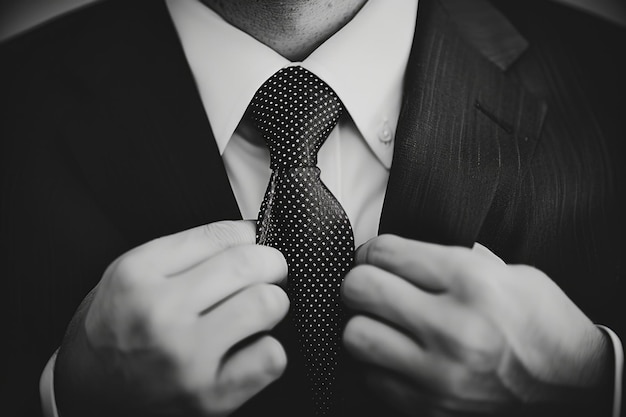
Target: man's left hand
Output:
{"points": [[457, 330]]}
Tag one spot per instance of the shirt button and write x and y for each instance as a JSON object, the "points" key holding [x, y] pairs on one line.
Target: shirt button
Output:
{"points": [[384, 134]]}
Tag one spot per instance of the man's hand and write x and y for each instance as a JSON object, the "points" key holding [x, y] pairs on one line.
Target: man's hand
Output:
{"points": [[451, 329], [173, 327]]}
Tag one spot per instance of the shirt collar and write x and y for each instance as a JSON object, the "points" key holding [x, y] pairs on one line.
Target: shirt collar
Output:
{"points": [[364, 63]]}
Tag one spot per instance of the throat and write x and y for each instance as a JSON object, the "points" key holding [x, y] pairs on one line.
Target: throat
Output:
{"points": [[293, 28]]}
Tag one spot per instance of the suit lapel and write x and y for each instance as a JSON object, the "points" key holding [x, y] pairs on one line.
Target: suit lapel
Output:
{"points": [[154, 128], [465, 130]]}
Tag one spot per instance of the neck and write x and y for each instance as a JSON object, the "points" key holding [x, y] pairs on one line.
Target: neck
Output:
{"points": [[292, 28]]}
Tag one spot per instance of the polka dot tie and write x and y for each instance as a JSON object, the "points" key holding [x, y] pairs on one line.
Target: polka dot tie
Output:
{"points": [[295, 111]]}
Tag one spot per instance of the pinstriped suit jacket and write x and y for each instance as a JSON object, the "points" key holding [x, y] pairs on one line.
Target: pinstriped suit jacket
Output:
{"points": [[510, 135]]}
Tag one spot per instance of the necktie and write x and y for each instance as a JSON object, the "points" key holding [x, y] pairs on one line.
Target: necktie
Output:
{"points": [[295, 111]]}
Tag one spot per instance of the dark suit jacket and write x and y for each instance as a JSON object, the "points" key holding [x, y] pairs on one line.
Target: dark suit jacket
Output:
{"points": [[510, 134]]}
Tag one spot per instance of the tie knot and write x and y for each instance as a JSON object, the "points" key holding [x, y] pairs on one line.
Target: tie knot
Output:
{"points": [[295, 111]]}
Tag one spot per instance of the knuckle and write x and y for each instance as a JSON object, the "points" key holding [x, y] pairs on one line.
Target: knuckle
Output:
{"points": [[276, 358], [461, 260], [474, 274], [129, 271], [157, 320], [226, 393], [532, 282], [165, 329], [270, 301], [481, 347], [355, 335], [378, 248], [128, 287], [266, 263], [253, 263], [160, 333], [528, 272], [356, 282], [472, 278]]}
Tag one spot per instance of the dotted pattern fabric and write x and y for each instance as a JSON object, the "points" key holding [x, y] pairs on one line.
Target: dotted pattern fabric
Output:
{"points": [[295, 111]]}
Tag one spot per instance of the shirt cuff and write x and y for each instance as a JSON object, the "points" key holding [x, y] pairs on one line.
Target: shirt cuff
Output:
{"points": [[619, 369], [46, 389]]}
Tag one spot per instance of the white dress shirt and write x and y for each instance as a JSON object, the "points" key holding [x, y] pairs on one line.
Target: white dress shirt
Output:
{"points": [[364, 63]]}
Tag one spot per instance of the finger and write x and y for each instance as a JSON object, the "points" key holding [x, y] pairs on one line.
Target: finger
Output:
{"points": [[251, 369], [416, 399], [226, 273], [420, 262], [432, 267], [453, 384], [255, 309], [380, 293], [174, 253], [380, 345]]}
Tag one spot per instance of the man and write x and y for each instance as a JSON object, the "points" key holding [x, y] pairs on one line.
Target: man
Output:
{"points": [[503, 144]]}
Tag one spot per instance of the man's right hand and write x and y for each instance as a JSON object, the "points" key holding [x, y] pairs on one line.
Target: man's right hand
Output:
{"points": [[176, 326]]}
